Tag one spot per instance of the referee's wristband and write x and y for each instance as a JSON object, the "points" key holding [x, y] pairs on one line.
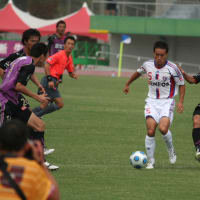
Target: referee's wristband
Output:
{"points": [[49, 78]]}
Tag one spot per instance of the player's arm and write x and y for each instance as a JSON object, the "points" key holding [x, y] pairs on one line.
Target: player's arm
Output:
{"points": [[5, 63], [180, 106], [49, 78], [190, 79], [35, 80], [24, 90], [135, 76], [179, 80], [1, 73], [21, 83], [70, 69]]}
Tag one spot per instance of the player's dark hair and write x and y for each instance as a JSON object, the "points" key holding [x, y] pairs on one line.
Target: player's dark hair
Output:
{"points": [[14, 135], [29, 33], [69, 37], [39, 49], [161, 45], [60, 22]]}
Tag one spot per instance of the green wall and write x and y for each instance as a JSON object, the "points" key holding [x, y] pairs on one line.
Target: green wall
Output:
{"points": [[146, 25]]}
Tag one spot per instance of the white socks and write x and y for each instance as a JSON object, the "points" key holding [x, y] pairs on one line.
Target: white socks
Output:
{"points": [[168, 140], [150, 145]]}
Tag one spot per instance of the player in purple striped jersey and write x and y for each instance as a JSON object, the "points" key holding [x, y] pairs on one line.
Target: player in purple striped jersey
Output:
{"points": [[196, 114], [164, 79]]}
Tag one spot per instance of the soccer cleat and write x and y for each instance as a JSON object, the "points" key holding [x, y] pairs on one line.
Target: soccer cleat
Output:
{"points": [[150, 165], [50, 166], [172, 156], [48, 151], [197, 156]]}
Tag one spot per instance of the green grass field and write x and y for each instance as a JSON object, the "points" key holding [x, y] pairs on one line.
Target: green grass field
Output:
{"points": [[95, 133]]}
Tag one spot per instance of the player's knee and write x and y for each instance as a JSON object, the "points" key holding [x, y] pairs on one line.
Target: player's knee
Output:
{"points": [[196, 121], [163, 129], [60, 105], [40, 126], [151, 132]]}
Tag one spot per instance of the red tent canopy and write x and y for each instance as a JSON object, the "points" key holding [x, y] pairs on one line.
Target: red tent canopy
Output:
{"points": [[79, 24], [10, 22], [14, 20]]}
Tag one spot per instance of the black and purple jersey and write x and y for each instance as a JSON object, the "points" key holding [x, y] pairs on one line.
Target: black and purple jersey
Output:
{"points": [[20, 70], [6, 62], [55, 44]]}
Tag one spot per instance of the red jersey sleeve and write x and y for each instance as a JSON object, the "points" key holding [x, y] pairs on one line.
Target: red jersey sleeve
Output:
{"points": [[70, 65]]}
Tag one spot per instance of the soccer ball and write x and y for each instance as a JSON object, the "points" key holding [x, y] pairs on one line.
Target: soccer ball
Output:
{"points": [[138, 159]]}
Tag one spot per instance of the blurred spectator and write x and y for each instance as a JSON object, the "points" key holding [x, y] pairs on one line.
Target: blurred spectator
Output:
{"points": [[22, 172], [111, 7]]}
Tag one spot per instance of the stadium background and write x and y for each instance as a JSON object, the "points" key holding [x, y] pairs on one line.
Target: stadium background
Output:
{"points": [[175, 21]]}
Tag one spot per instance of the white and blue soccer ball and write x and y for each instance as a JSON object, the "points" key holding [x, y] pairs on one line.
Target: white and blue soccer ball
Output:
{"points": [[138, 159]]}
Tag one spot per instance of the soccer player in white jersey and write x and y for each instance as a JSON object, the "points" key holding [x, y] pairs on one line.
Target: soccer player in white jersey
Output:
{"points": [[164, 79]]}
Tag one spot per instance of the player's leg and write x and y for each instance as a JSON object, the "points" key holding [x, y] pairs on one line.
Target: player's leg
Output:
{"points": [[5, 113], [166, 118], [38, 127], [53, 94], [150, 143], [59, 102], [151, 124], [196, 131]]}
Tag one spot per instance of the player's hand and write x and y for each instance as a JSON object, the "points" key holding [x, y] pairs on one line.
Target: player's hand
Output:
{"points": [[41, 88], [75, 76], [43, 98], [126, 89], [51, 85], [57, 83], [180, 107]]}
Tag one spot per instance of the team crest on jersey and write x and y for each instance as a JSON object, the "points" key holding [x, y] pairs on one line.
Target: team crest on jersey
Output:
{"points": [[50, 59], [164, 78]]}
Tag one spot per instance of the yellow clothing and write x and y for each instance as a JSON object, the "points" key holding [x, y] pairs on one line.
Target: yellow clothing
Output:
{"points": [[31, 178]]}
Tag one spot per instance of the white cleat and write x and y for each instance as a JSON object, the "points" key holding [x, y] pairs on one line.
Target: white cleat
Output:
{"points": [[172, 157], [50, 166], [197, 156], [48, 151], [150, 165]]}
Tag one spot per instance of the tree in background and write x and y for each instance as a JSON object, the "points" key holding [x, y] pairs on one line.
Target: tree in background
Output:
{"points": [[3, 3]]}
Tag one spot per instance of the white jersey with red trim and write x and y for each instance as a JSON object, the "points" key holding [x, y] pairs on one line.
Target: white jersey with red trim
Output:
{"points": [[163, 82]]}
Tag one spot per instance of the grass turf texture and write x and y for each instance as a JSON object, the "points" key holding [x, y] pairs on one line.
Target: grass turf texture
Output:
{"points": [[95, 133]]}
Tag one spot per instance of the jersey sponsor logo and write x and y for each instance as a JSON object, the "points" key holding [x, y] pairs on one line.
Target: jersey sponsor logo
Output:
{"points": [[159, 84], [59, 46], [28, 77]]}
